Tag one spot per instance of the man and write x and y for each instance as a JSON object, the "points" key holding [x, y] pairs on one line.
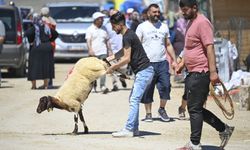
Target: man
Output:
{"points": [[154, 36], [115, 41], [97, 42], [2, 36], [199, 59], [134, 54]]}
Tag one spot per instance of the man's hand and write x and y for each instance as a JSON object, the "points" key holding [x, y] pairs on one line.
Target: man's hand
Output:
{"points": [[91, 52], [109, 70], [214, 78]]}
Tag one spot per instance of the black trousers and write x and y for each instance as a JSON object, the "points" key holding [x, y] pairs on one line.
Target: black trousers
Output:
{"points": [[197, 85]]}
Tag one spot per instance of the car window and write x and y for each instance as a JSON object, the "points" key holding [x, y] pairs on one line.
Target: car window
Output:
{"points": [[73, 13], [8, 19], [25, 12]]}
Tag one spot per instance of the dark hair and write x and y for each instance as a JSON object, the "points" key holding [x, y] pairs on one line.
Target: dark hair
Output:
{"points": [[145, 11], [188, 3], [117, 18], [152, 5]]}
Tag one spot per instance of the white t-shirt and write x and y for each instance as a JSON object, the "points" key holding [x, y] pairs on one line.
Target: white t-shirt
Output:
{"points": [[115, 39], [153, 38], [98, 37]]}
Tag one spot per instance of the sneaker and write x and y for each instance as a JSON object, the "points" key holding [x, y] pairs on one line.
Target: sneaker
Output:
{"points": [[190, 146], [181, 113], [123, 133], [115, 88], [148, 118], [104, 90], [163, 115], [225, 135], [136, 132], [124, 84]]}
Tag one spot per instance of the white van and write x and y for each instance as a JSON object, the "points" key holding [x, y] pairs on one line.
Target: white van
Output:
{"points": [[72, 20]]}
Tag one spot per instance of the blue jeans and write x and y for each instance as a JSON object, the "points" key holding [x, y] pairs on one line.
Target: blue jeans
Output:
{"points": [[142, 79]]}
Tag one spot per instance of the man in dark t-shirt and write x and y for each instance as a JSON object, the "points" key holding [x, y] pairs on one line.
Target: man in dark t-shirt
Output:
{"points": [[132, 53]]}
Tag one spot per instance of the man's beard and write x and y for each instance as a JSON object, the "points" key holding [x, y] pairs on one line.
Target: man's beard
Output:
{"points": [[154, 18]]}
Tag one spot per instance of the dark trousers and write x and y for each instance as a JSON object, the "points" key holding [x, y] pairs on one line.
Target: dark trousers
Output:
{"points": [[197, 85]]}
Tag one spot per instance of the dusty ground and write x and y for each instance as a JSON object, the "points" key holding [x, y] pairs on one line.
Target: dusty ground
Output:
{"points": [[21, 128]]}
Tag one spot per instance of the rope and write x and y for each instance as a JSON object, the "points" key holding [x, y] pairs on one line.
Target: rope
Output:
{"points": [[229, 114]]}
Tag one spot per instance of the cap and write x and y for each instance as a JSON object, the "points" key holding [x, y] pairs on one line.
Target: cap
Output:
{"points": [[130, 10], [98, 15], [44, 11]]}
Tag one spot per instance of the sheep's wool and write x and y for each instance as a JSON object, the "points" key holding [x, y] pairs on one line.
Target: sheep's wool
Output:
{"points": [[77, 86]]}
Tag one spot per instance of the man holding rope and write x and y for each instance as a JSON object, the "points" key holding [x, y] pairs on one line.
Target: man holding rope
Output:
{"points": [[199, 59]]}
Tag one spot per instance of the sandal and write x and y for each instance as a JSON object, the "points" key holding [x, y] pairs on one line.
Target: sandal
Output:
{"points": [[42, 87]]}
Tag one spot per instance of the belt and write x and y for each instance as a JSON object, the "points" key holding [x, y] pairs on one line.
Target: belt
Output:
{"points": [[196, 74]]}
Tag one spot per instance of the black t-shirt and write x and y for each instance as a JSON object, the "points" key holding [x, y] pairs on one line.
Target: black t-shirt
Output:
{"points": [[139, 59]]}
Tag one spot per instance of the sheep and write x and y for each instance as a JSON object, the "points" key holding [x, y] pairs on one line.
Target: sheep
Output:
{"points": [[75, 90]]}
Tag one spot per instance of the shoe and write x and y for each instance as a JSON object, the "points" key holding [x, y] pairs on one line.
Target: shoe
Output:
{"points": [[181, 112], [190, 146], [115, 88], [124, 84], [163, 115], [148, 118], [136, 132], [104, 90], [42, 87], [123, 133], [225, 136]]}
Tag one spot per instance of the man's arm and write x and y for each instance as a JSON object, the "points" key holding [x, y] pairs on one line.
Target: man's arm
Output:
{"points": [[125, 59], [89, 45], [170, 50], [214, 78]]}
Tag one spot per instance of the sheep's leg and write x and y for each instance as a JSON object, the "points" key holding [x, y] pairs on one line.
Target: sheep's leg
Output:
{"points": [[86, 130], [94, 83], [75, 131]]}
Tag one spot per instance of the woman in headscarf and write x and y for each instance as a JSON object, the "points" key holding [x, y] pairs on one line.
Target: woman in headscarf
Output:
{"points": [[41, 62]]}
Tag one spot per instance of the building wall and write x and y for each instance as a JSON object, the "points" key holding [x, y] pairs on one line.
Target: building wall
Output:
{"points": [[232, 20]]}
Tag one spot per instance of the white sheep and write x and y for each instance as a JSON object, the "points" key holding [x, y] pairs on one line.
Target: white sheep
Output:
{"points": [[75, 90]]}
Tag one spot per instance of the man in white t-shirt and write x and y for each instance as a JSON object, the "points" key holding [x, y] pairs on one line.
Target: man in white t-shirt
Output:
{"points": [[154, 36], [2, 36], [97, 42]]}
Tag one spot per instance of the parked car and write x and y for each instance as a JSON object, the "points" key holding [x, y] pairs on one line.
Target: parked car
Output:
{"points": [[14, 53], [72, 21]]}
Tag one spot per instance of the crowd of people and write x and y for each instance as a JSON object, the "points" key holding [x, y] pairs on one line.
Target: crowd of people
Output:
{"points": [[145, 44], [149, 52]]}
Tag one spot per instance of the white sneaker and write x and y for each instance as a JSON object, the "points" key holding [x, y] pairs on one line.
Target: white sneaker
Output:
{"points": [[123, 133], [190, 146]]}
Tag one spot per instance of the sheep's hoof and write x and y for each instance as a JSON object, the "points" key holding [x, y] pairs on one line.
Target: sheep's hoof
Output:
{"points": [[75, 131], [86, 130]]}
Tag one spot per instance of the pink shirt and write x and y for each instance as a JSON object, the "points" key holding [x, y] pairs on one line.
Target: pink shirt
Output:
{"points": [[198, 36]]}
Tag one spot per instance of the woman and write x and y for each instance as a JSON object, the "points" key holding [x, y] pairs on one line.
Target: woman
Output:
{"points": [[41, 62]]}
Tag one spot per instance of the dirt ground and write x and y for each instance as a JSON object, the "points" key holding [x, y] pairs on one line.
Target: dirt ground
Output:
{"points": [[21, 128]]}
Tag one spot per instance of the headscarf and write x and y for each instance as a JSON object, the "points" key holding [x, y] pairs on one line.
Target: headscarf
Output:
{"points": [[37, 21]]}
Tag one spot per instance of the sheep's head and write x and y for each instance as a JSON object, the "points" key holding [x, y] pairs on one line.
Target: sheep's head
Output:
{"points": [[44, 103]]}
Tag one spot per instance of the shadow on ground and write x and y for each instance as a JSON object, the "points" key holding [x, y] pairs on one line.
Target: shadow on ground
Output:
{"points": [[210, 147]]}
